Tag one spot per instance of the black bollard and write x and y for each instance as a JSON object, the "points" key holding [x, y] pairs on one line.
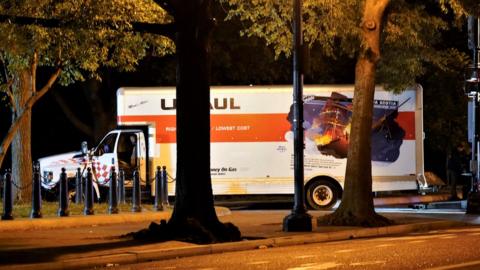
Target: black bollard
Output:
{"points": [[88, 210], [121, 186], [136, 207], [164, 184], [36, 193], [63, 200], [112, 193], [7, 197], [78, 187], [158, 190]]}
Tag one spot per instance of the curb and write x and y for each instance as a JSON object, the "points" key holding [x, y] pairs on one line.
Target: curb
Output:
{"points": [[93, 220], [133, 257], [382, 201], [79, 221]]}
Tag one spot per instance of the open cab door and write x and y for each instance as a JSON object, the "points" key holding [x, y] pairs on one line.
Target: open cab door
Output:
{"points": [[104, 158], [142, 156]]}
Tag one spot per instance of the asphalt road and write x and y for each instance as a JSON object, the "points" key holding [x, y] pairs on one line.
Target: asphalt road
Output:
{"points": [[447, 249], [69, 243]]}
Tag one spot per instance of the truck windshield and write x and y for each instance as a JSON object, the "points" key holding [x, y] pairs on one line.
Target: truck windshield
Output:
{"points": [[107, 145]]}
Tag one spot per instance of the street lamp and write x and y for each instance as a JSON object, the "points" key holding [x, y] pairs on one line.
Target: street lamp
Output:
{"points": [[472, 84], [298, 220]]}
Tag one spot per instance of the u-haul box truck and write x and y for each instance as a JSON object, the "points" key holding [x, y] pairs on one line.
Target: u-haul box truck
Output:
{"points": [[252, 139]]}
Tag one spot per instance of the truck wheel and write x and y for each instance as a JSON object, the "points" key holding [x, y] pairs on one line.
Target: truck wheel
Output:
{"points": [[321, 194]]}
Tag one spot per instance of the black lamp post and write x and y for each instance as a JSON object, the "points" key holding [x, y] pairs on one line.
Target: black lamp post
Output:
{"points": [[298, 220], [472, 85]]}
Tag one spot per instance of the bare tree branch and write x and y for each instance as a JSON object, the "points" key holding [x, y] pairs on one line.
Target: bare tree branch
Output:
{"points": [[79, 124], [167, 30], [34, 71], [9, 92], [8, 85], [44, 89]]}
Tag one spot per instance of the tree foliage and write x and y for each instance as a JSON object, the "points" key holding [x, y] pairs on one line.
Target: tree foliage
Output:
{"points": [[86, 39], [75, 38], [409, 39], [472, 7]]}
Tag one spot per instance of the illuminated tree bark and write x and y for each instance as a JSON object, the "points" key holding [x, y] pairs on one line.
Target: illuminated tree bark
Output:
{"points": [[357, 207], [22, 96], [21, 144]]}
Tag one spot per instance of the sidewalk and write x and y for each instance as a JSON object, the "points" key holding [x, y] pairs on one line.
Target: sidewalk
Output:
{"points": [[93, 243]]}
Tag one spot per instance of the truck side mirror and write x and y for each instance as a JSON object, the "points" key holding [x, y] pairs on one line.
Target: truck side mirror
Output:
{"points": [[84, 147]]}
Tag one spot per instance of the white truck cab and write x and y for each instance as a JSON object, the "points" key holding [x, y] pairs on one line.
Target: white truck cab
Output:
{"points": [[120, 149]]}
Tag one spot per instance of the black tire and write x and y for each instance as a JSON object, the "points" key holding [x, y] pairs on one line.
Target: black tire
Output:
{"points": [[322, 194]]}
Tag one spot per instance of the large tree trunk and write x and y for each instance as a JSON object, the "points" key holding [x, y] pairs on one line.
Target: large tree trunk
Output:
{"points": [[193, 187], [193, 218], [21, 144], [356, 208], [194, 197]]}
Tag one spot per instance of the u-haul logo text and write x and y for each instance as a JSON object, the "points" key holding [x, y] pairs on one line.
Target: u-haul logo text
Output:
{"points": [[217, 104]]}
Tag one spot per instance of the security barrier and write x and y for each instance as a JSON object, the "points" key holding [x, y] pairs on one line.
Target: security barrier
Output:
{"points": [[84, 192], [112, 193], [136, 207], [88, 210], [7, 197], [36, 193], [63, 200]]}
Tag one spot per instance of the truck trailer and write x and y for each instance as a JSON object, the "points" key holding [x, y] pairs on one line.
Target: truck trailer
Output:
{"points": [[252, 141]]}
